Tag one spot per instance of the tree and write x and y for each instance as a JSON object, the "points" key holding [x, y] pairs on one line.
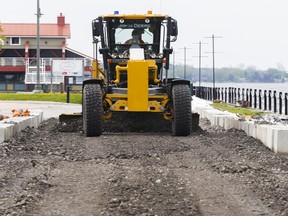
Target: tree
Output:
{"points": [[2, 37]]}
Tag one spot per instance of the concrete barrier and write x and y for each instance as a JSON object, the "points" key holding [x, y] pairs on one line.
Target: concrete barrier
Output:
{"points": [[274, 136], [12, 126]]}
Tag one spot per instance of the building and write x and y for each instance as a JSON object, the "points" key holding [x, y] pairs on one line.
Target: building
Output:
{"points": [[18, 59]]}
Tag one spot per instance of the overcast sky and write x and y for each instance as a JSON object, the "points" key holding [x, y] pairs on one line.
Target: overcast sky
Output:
{"points": [[249, 32]]}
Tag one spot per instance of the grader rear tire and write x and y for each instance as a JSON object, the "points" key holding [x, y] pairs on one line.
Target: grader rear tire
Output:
{"points": [[182, 120], [92, 110]]}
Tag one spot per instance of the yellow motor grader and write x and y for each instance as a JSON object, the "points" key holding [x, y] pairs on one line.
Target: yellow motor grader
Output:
{"points": [[134, 77]]}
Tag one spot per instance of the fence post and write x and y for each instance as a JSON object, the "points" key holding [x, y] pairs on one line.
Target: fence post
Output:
{"points": [[260, 99], [238, 98], [247, 95], [275, 101], [229, 95], [255, 98], [225, 93], [280, 102], [68, 94], [250, 97], [286, 103], [269, 100], [265, 99], [218, 93], [235, 95]]}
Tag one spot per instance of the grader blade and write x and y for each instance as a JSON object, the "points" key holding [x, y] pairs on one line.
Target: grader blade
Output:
{"points": [[68, 117]]}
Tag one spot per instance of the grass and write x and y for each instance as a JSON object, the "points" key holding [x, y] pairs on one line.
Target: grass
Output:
{"points": [[56, 97], [77, 99], [237, 110]]}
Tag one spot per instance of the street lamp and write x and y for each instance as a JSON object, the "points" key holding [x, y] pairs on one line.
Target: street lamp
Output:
{"points": [[38, 86]]}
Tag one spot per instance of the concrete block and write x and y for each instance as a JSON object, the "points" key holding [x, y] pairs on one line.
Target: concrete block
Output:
{"points": [[219, 119], [12, 126], [262, 134], [6, 131], [231, 122], [201, 111], [276, 138], [37, 119], [209, 114], [244, 125], [39, 114], [270, 136], [252, 129], [280, 142]]}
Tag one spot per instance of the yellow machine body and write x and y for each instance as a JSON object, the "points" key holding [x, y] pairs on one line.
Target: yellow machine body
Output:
{"points": [[137, 98], [134, 79], [137, 91]]}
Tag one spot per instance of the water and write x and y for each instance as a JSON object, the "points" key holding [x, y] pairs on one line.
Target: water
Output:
{"points": [[273, 104], [279, 87]]}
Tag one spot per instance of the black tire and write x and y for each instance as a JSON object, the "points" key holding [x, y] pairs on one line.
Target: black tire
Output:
{"points": [[92, 110], [182, 120]]}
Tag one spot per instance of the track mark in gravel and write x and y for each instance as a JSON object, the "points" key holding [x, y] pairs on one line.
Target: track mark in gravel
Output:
{"points": [[145, 187], [79, 188], [217, 195]]}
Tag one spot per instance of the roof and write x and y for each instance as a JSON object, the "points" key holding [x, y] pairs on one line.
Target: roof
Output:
{"points": [[30, 30], [78, 53]]}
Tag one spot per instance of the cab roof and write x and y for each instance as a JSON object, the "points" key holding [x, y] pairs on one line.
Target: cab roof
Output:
{"points": [[134, 16]]}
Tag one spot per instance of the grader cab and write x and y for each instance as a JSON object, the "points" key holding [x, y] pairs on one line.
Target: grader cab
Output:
{"points": [[135, 50]]}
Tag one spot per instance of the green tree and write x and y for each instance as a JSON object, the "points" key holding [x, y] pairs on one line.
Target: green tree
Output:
{"points": [[2, 37]]}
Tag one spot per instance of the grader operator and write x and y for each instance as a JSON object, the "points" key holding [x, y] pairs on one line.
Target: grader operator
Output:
{"points": [[135, 72]]}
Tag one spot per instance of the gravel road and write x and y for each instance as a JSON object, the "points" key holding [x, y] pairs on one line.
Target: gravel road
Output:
{"points": [[56, 170]]}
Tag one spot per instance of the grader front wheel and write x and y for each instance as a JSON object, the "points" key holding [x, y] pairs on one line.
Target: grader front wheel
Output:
{"points": [[181, 97], [92, 110]]}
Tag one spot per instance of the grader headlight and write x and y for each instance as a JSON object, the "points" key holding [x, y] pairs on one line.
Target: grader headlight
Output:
{"points": [[114, 55], [153, 55], [160, 55]]}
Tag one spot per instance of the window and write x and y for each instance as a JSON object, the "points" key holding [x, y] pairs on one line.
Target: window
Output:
{"points": [[122, 35], [14, 41]]}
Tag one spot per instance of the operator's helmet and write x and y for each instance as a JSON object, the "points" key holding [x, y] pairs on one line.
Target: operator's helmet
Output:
{"points": [[137, 31]]}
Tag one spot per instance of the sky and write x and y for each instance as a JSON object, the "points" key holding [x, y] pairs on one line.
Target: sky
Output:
{"points": [[248, 33]]}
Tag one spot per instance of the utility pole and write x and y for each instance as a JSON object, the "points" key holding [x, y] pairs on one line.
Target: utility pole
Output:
{"points": [[200, 56], [185, 58], [213, 67], [38, 86]]}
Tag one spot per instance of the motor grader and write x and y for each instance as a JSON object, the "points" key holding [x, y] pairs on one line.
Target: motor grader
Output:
{"points": [[134, 76]]}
